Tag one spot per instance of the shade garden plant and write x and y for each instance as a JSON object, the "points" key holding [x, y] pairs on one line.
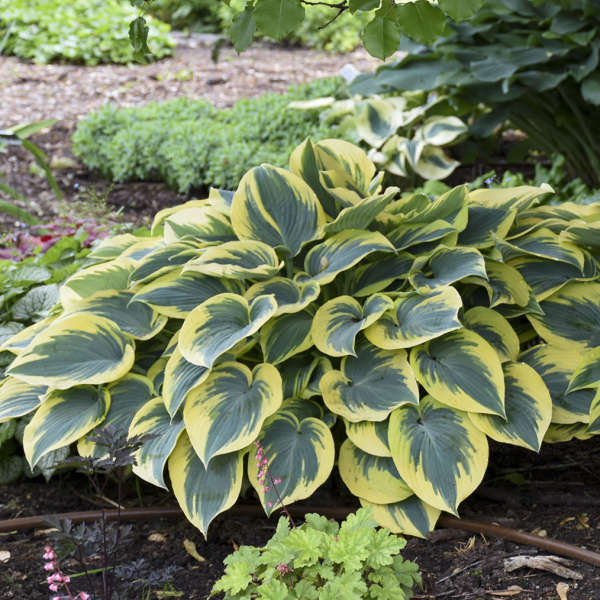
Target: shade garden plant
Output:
{"points": [[337, 323]]}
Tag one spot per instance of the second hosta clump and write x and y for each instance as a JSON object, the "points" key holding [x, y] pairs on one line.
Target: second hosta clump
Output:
{"points": [[311, 297]]}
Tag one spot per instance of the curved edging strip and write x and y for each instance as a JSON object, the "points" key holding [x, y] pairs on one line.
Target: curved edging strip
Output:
{"points": [[140, 514]]}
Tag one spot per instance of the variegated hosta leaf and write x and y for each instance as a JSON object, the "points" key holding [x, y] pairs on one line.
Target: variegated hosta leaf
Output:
{"points": [[561, 432], [299, 372], [113, 247], [373, 478], [461, 370], [113, 275], [587, 373], [520, 197], [485, 223], [361, 215], [177, 293], [438, 452], [300, 453], [226, 412], [139, 251], [302, 408], [375, 121], [341, 252], [77, 349], [376, 276], [416, 318], [440, 131], [291, 296], [64, 417], [369, 436], [434, 163], [287, 335], [544, 243], [203, 493], [153, 420], [156, 374], [221, 200], [338, 321], [494, 329], [23, 337], [18, 398], [278, 208], [528, 409], [547, 276], [370, 385], [303, 162], [446, 266], [249, 259], [571, 318], [162, 261], [408, 235], [221, 322], [450, 207], [198, 224], [583, 234], [132, 317], [162, 215], [409, 517], [181, 377], [556, 367], [594, 424], [506, 284]]}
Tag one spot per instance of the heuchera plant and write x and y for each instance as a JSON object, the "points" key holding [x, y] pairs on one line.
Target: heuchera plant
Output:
{"points": [[313, 298]]}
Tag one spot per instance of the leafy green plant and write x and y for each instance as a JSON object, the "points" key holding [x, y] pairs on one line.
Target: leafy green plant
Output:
{"points": [[322, 560], [192, 145], [311, 296], [88, 31], [533, 64], [195, 15], [405, 134]]}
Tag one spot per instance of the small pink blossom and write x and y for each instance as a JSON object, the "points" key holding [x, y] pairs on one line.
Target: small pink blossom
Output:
{"points": [[53, 587]]}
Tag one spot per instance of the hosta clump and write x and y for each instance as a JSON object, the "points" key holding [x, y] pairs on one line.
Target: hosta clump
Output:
{"points": [[405, 134], [421, 325]]}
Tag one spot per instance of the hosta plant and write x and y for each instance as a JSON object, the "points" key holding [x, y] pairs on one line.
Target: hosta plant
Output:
{"points": [[404, 134], [311, 298]]}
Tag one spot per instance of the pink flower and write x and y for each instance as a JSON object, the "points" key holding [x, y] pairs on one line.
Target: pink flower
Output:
{"points": [[276, 481], [270, 504], [83, 596], [53, 587], [49, 566]]}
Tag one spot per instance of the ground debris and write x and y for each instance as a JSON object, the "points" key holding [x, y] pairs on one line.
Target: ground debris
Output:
{"points": [[553, 564]]}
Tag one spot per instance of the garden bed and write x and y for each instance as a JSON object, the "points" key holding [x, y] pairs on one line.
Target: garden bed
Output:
{"points": [[557, 497]]}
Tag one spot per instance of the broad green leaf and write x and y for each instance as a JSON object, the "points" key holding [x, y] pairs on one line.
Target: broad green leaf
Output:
{"points": [[77, 349], [134, 318], [571, 318], [495, 330], [226, 412], [64, 417], [163, 430], [287, 335], [337, 322], [341, 252], [381, 37], [446, 266], [242, 29], [416, 318], [291, 296], [459, 10], [528, 409], [203, 493], [248, 259], [421, 21], [221, 322], [590, 89], [180, 378], [177, 293], [409, 517], [373, 478], [36, 304], [461, 370], [18, 398], [369, 386], [587, 373], [369, 436], [438, 452], [202, 224], [277, 18], [278, 208], [113, 275], [300, 453], [556, 367]]}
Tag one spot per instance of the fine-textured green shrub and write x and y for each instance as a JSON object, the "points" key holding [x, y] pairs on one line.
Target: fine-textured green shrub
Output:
{"points": [[311, 297], [195, 15], [321, 560], [88, 31], [535, 65], [190, 144]]}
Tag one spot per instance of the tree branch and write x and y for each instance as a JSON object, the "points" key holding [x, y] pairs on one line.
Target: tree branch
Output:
{"points": [[340, 6]]}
